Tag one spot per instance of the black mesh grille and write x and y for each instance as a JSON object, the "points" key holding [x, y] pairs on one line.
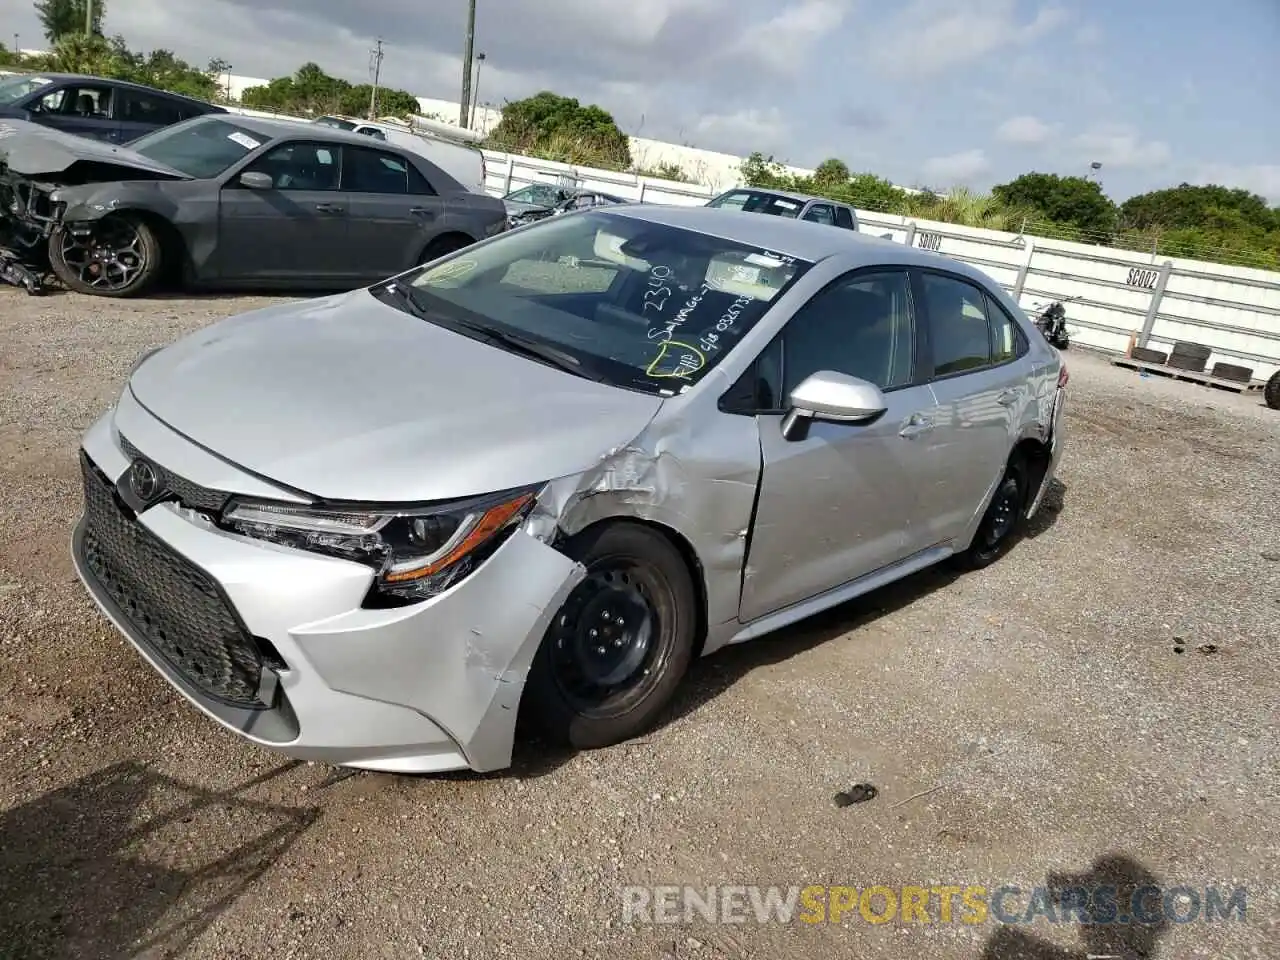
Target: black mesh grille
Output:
{"points": [[189, 494], [173, 605]]}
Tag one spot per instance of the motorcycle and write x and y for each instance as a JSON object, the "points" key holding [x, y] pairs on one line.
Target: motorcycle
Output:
{"points": [[1052, 323]]}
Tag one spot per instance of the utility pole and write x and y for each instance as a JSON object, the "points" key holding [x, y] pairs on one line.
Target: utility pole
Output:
{"points": [[375, 67], [464, 108], [475, 99], [88, 18]]}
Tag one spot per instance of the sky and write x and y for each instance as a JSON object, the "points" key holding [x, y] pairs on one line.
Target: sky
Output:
{"points": [[924, 92]]}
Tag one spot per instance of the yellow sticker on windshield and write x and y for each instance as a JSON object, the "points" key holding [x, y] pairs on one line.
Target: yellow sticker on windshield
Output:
{"points": [[453, 270], [676, 360]]}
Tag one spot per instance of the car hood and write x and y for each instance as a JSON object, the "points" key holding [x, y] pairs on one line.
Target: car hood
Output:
{"points": [[520, 206], [32, 150], [347, 398]]}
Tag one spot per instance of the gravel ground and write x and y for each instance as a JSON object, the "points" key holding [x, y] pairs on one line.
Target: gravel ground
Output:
{"points": [[1100, 702]]}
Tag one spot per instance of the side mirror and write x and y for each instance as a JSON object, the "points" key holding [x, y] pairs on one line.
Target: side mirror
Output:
{"points": [[257, 181], [835, 397]]}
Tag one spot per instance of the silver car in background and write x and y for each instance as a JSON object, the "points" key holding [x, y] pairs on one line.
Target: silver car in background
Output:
{"points": [[547, 471]]}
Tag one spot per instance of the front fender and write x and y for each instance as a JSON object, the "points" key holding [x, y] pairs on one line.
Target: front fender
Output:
{"points": [[94, 201]]}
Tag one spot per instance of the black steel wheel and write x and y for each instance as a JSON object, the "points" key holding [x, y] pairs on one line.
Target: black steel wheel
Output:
{"points": [[1001, 520], [616, 650], [120, 256], [1272, 392]]}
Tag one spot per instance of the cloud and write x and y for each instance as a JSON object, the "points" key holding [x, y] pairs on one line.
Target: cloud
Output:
{"points": [[955, 167], [1087, 34], [1120, 146], [782, 42], [1259, 178], [928, 38], [1026, 130]]}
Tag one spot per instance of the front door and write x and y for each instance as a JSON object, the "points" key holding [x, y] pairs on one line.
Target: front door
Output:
{"points": [[980, 387], [295, 232], [394, 211], [843, 501], [83, 108]]}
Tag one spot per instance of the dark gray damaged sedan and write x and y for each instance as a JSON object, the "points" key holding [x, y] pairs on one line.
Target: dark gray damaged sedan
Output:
{"points": [[230, 202]]}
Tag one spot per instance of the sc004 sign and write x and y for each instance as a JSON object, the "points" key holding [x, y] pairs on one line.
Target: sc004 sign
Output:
{"points": [[1146, 279]]}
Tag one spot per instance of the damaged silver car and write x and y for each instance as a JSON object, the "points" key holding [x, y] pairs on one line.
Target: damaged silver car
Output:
{"points": [[547, 472]]}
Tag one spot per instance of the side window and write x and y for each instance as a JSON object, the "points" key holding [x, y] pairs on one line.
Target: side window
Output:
{"points": [[957, 324], [731, 201], [844, 218], [1007, 340], [147, 108], [861, 326], [821, 213], [373, 171], [373, 132], [302, 165], [77, 100]]}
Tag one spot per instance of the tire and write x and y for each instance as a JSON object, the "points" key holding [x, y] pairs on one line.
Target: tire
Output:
{"points": [[1001, 521], [441, 246], [133, 246], [1271, 394], [601, 675]]}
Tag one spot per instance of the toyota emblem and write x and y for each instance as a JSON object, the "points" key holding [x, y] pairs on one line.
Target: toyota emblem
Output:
{"points": [[144, 481]]}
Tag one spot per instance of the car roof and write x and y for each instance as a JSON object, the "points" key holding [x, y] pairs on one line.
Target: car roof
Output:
{"points": [[788, 194], [796, 238], [126, 84], [296, 128]]}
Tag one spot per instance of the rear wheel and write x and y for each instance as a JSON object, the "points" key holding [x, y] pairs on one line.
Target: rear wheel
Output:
{"points": [[443, 245], [1001, 520], [120, 256], [619, 646], [1272, 393]]}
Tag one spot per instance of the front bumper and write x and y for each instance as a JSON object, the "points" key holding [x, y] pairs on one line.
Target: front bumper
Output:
{"points": [[429, 687]]}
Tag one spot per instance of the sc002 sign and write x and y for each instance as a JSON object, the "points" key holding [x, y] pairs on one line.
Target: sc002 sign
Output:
{"points": [[1146, 279]]}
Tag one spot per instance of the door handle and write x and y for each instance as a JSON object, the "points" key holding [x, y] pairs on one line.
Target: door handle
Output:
{"points": [[1007, 398], [422, 211], [330, 207], [915, 425]]}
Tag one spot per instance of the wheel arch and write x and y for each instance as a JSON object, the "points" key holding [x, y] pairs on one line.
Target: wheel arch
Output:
{"points": [[446, 242], [1035, 456]]}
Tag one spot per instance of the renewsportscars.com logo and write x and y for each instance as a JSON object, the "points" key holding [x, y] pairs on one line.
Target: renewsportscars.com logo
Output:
{"points": [[1099, 904]]}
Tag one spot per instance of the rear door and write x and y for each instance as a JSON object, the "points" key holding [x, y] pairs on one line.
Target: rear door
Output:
{"points": [[297, 230], [394, 211], [139, 112], [822, 213], [980, 386], [85, 108]]}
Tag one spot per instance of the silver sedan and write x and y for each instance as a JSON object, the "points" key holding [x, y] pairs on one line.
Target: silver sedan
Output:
{"points": [[546, 472]]}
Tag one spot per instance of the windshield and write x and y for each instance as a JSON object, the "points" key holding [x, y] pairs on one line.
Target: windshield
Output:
{"points": [[634, 303], [199, 148], [13, 89], [754, 202]]}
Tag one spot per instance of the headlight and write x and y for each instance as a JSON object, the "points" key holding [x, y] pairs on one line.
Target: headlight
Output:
{"points": [[417, 552]]}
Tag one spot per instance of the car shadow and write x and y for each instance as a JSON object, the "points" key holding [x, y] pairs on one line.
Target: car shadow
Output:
{"points": [[1113, 931], [127, 860]]}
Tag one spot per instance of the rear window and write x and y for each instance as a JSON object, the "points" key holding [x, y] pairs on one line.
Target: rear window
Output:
{"points": [[755, 201]]}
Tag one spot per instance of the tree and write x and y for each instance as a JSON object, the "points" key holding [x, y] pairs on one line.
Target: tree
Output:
{"points": [[312, 91], [1069, 201], [831, 173], [1188, 207], [561, 128], [62, 18]]}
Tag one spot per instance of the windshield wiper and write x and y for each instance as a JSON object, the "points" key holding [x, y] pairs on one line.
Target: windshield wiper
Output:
{"points": [[512, 342]]}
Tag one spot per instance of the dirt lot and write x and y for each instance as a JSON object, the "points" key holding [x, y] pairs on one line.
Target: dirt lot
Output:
{"points": [[1104, 699]]}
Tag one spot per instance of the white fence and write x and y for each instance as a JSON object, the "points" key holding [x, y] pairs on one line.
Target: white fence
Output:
{"points": [[1113, 293]]}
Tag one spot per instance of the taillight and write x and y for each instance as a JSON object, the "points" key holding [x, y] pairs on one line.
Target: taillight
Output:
{"points": [[1063, 377]]}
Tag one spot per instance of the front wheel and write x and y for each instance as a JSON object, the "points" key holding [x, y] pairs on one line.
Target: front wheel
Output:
{"points": [[120, 256], [619, 646], [1001, 520], [1272, 392]]}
